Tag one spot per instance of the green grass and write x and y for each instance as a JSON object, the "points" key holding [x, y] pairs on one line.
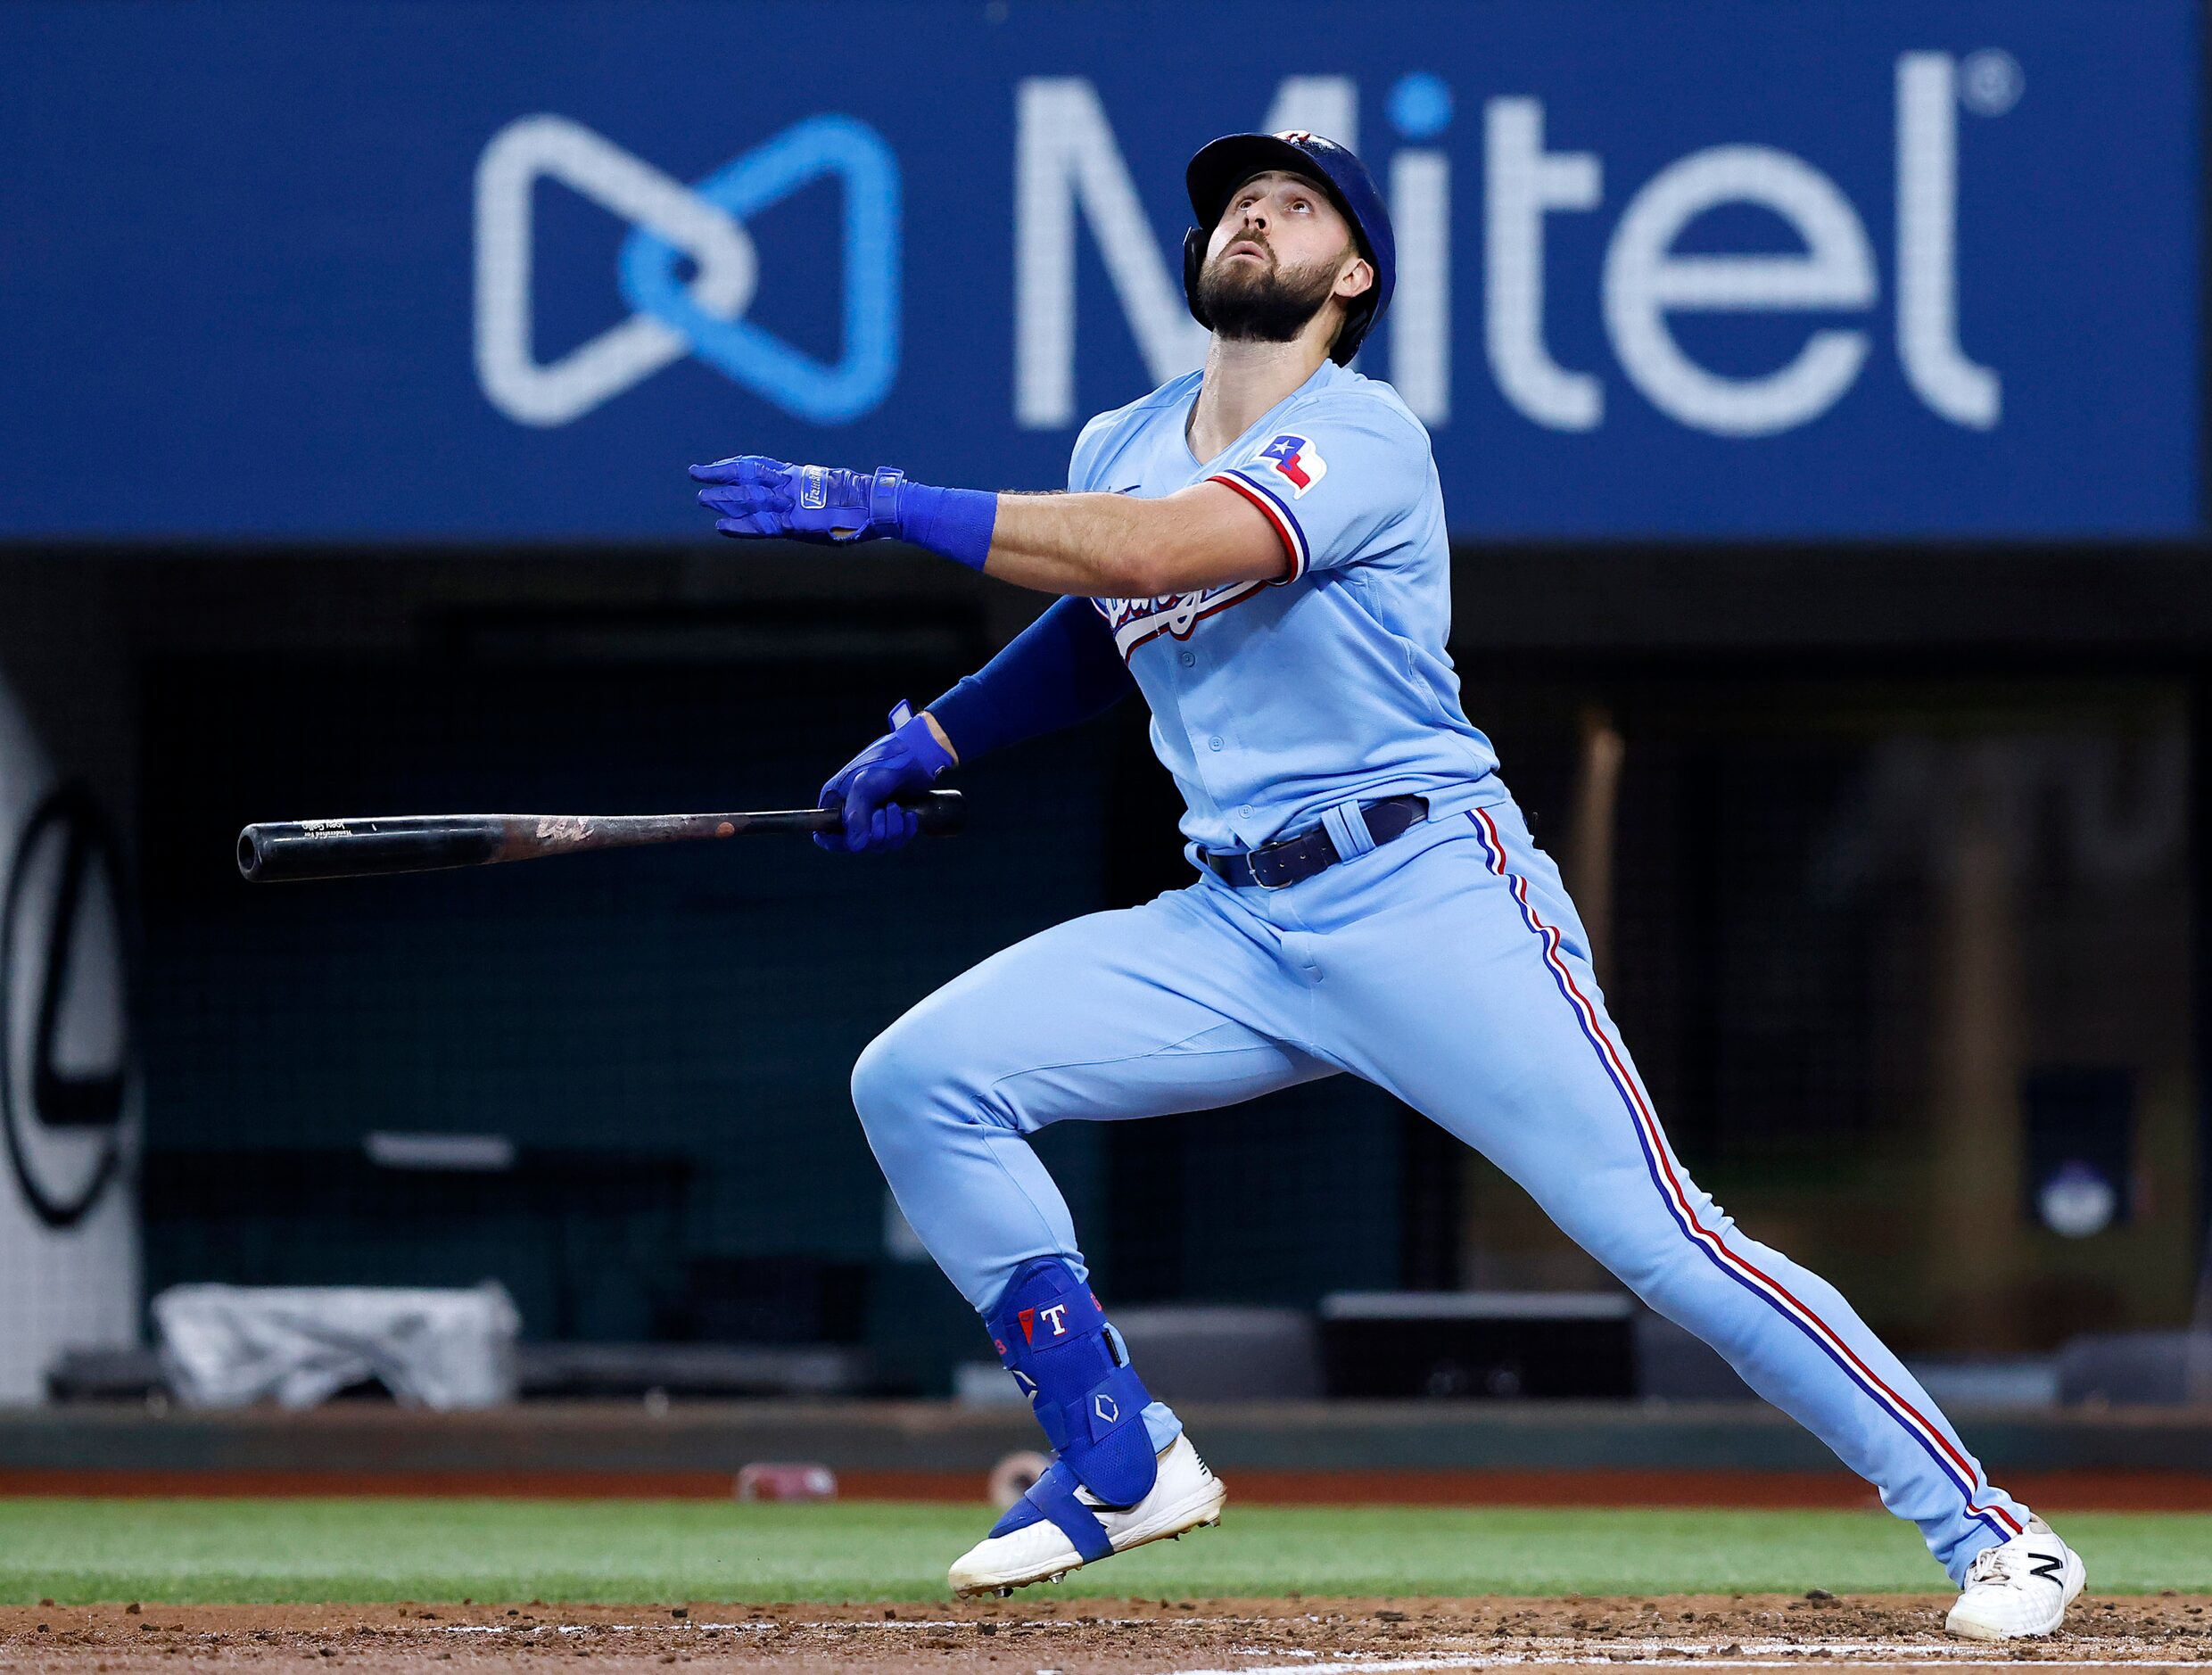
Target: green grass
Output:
{"points": [[637, 1552]]}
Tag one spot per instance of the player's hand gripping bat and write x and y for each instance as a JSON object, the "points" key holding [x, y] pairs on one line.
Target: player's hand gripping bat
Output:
{"points": [[283, 850]]}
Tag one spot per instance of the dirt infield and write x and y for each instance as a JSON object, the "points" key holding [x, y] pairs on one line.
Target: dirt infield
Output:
{"points": [[1040, 1636]]}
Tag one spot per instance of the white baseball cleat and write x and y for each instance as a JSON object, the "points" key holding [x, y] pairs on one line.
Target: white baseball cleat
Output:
{"points": [[1184, 1496], [2020, 1587]]}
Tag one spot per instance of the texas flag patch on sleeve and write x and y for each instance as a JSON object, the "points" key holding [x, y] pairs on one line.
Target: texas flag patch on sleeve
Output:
{"points": [[1294, 459]]}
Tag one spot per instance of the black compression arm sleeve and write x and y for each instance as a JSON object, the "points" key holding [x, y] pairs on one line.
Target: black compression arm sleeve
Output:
{"points": [[1063, 669]]}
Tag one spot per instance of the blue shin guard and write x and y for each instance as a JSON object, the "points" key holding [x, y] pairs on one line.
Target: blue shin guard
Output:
{"points": [[1053, 1335]]}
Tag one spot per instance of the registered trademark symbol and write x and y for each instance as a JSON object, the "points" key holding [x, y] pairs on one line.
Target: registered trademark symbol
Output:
{"points": [[1991, 81]]}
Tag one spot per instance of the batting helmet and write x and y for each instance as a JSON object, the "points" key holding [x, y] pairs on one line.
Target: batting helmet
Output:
{"points": [[1222, 167]]}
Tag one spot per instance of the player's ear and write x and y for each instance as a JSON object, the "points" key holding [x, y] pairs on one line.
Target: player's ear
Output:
{"points": [[1356, 278]]}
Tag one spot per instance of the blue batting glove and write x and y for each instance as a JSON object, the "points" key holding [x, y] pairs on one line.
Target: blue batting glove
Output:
{"points": [[906, 760], [753, 495], [756, 495]]}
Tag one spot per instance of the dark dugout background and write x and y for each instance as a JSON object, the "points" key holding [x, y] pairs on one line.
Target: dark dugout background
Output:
{"points": [[1875, 745]]}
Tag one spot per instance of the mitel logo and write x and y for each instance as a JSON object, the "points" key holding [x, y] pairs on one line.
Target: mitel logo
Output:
{"points": [[703, 315], [1654, 272]]}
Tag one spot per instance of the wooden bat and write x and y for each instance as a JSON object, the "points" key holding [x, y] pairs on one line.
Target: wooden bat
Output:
{"points": [[284, 850]]}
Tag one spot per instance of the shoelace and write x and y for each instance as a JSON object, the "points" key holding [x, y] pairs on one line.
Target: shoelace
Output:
{"points": [[2006, 1564]]}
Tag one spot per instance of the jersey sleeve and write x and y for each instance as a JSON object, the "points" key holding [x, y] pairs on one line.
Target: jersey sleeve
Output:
{"points": [[1332, 479], [1084, 461]]}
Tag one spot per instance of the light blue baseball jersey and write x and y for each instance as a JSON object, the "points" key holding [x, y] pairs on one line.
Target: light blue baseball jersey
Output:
{"points": [[1273, 700]]}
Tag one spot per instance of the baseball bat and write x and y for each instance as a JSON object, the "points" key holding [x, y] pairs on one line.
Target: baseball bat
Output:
{"points": [[279, 851]]}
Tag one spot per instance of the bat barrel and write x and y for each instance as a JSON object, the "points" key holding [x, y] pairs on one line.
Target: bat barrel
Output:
{"points": [[283, 850], [279, 851]]}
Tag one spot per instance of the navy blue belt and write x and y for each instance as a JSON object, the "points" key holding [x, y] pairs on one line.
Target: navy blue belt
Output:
{"points": [[1277, 865]]}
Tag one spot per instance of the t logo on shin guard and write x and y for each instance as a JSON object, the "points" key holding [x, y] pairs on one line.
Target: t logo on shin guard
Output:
{"points": [[1057, 1313], [1107, 1409]]}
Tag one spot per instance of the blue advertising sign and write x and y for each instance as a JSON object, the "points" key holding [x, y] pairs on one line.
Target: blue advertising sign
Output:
{"points": [[418, 268]]}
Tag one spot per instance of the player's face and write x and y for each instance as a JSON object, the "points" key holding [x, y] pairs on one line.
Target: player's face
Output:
{"points": [[1281, 250]]}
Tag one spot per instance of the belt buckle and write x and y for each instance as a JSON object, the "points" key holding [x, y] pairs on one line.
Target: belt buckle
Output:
{"points": [[1251, 865]]}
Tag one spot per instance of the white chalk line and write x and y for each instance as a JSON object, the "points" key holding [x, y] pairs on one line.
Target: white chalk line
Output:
{"points": [[1684, 1653], [1354, 1665], [1675, 1653], [1689, 1654]]}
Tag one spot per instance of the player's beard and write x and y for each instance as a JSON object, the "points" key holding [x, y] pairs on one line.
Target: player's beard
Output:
{"points": [[1263, 305]]}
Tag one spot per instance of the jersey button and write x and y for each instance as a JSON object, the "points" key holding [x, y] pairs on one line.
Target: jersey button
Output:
{"points": [[1214, 743], [1246, 812], [1190, 659]]}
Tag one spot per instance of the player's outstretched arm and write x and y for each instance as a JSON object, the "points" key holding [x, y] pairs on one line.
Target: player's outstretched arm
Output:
{"points": [[1096, 546], [1115, 546], [1064, 668]]}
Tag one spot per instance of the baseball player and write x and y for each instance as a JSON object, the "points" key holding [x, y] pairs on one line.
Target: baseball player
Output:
{"points": [[1259, 548]]}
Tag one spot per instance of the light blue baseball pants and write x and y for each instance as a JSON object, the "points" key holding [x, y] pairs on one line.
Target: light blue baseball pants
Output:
{"points": [[1449, 967]]}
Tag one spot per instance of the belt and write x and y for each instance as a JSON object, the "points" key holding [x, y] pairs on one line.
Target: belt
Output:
{"points": [[1277, 865]]}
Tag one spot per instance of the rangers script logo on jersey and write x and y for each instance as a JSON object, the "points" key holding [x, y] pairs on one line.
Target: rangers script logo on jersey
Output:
{"points": [[1176, 614]]}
